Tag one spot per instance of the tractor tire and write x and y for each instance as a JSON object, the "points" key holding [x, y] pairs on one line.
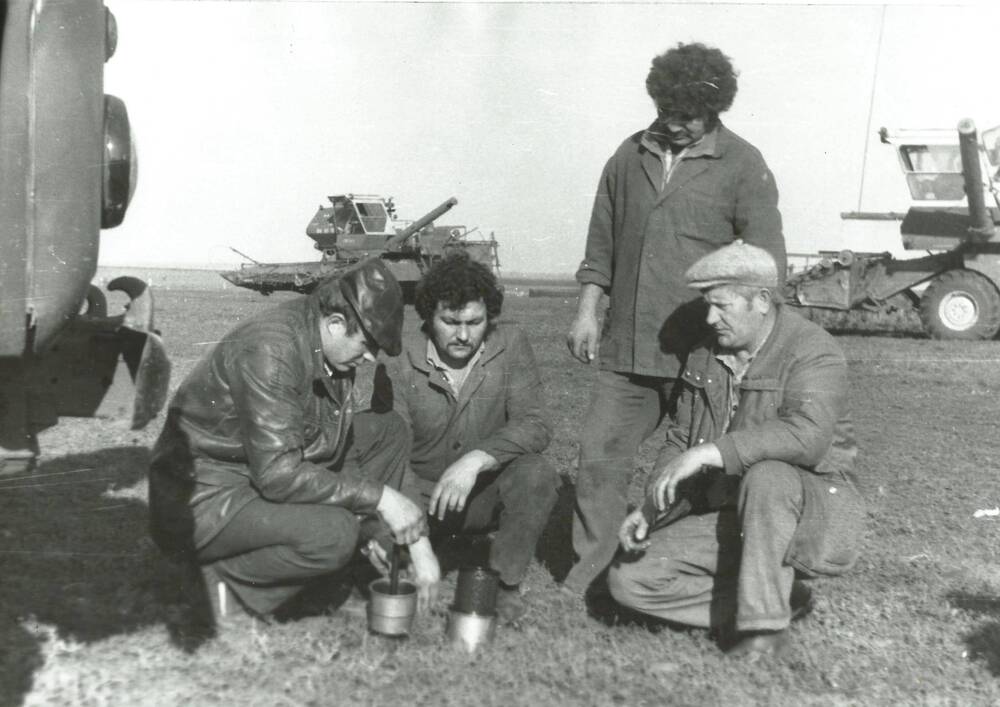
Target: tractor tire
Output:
{"points": [[961, 304]]}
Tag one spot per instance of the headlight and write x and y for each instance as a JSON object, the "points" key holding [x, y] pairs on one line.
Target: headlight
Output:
{"points": [[120, 164]]}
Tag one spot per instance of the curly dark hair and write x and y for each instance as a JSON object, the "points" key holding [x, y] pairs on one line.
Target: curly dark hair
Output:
{"points": [[693, 80], [454, 281]]}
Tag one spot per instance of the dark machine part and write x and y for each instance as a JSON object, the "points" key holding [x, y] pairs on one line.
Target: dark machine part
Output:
{"points": [[68, 170], [981, 227], [355, 227], [961, 299]]}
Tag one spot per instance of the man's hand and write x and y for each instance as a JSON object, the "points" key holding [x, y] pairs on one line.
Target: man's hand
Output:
{"points": [[682, 467], [584, 334], [632, 534], [426, 573], [455, 485], [377, 555], [405, 518]]}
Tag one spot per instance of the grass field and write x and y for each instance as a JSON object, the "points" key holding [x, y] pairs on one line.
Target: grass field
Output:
{"points": [[85, 619]]}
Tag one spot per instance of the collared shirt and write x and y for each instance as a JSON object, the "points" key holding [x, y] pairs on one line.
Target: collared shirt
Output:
{"points": [[455, 376], [737, 367], [704, 147]]}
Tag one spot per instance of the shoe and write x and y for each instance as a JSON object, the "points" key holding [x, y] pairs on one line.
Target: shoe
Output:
{"points": [[801, 600], [511, 606], [757, 643]]}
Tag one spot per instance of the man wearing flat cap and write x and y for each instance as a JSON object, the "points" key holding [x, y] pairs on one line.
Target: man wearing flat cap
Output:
{"points": [[683, 187], [264, 474], [754, 486]]}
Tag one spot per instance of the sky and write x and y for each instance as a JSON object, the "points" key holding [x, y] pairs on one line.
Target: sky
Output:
{"points": [[247, 115]]}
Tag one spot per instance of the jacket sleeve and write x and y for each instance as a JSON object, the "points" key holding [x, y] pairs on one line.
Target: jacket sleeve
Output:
{"points": [[527, 430], [757, 219], [813, 400], [266, 382], [596, 267]]}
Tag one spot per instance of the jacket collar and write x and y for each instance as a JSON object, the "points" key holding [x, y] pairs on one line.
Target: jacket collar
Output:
{"points": [[703, 361], [709, 146]]}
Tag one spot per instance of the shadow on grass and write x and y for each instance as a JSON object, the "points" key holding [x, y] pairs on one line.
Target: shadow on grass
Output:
{"points": [[76, 556], [984, 641]]}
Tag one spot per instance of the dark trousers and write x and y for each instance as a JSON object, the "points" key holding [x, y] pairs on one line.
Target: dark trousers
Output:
{"points": [[516, 501], [269, 551], [624, 411]]}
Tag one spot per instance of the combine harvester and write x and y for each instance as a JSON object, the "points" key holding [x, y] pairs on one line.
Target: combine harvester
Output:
{"points": [[359, 226], [953, 215]]}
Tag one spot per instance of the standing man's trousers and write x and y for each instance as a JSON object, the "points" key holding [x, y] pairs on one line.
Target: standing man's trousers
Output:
{"points": [[624, 411], [269, 551], [698, 572]]}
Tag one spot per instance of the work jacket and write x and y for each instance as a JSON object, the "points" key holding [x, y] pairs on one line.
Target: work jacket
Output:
{"points": [[499, 410], [645, 234], [792, 408], [258, 417]]}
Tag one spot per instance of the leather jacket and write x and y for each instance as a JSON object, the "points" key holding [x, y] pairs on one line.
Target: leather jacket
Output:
{"points": [[258, 417]]}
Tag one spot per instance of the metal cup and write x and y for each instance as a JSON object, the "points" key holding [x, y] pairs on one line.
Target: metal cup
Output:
{"points": [[469, 631], [476, 591], [391, 614]]}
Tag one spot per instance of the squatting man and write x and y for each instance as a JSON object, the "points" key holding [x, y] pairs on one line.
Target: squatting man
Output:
{"points": [[472, 394], [264, 476], [755, 482]]}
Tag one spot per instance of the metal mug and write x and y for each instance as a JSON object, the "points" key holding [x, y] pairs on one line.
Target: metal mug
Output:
{"points": [[476, 591], [469, 631], [391, 614]]}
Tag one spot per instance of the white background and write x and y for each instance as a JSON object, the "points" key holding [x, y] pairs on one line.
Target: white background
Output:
{"points": [[248, 114]]}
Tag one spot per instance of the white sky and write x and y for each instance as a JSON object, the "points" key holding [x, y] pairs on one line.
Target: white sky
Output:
{"points": [[248, 114]]}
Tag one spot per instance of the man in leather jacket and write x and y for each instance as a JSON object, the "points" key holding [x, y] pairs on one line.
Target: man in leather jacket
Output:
{"points": [[758, 467], [263, 473]]}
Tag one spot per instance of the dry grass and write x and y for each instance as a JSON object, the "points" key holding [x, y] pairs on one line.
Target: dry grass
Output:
{"points": [[85, 618]]}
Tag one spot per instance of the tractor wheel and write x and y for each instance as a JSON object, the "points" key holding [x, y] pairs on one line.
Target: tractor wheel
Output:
{"points": [[961, 304]]}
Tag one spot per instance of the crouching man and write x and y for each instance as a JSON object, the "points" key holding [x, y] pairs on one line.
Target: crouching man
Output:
{"points": [[263, 473], [472, 394], [758, 468]]}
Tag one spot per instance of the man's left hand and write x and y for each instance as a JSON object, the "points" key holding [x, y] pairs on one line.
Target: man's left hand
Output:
{"points": [[681, 467], [455, 485]]}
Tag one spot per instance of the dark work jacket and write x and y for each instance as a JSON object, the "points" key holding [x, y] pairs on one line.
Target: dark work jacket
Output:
{"points": [[793, 409], [257, 417], [500, 408], [642, 239]]}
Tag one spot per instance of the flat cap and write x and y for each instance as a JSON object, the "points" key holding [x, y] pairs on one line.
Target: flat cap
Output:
{"points": [[738, 263], [377, 299]]}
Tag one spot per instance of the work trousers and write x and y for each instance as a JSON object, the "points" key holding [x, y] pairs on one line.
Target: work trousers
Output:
{"points": [[624, 411], [699, 572], [269, 551], [515, 501]]}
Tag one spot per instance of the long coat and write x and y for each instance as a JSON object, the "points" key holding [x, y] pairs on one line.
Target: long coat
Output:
{"points": [[792, 408], [644, 235], [258, 417]]}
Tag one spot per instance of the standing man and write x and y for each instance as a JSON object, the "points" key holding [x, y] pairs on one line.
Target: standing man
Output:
{"points": [[263, 473], [682, 188], [473, 396], [761, 455]]}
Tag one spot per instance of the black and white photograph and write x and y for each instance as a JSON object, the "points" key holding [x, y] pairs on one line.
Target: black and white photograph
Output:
{"points": [[499, 353]]}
